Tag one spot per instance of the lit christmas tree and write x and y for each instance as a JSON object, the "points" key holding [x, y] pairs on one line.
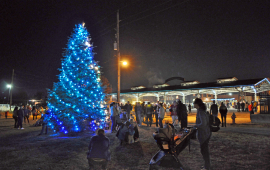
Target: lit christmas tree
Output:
{"points": [[78, 96]]}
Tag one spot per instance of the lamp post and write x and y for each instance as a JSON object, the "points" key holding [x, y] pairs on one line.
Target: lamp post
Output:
{"points": [[8, 86]]}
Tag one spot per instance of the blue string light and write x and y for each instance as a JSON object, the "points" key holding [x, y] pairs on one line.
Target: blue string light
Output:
{"points": [[70, 105]]}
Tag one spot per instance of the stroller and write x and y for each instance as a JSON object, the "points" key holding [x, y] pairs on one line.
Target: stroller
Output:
{"points": [[171, 146]]}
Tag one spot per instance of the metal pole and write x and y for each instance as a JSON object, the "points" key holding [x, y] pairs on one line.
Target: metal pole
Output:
{"points": [[10, 102], [118, 59]]}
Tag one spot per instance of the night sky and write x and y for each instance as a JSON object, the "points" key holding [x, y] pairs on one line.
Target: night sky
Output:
{"points": [[194, 39]]}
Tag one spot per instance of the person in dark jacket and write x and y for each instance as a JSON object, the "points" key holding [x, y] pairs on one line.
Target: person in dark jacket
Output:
{"points": [[26, 113], [138, 112], [99, 151], [15, 116], [156, 112], [148, 111], [243, 106], [34, 112], [128, 108], [238, 106], [189, 108], [214, 109], [20, 118], [182, 114], [223, 111], [204, 133], [45, 119]]}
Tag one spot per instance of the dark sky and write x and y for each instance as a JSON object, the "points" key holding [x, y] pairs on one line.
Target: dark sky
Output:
{"points": [[195, 39]]}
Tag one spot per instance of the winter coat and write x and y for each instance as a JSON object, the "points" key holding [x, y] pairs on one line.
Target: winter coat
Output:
{"points": [[26, 112], [161, 112], [138, 109], [223, 110], [99, 147], [122, 133], [15, 113], [149, 109], [117, 119], [131, 130], [128, 107], [214, 109], [250, 107], [202, 123], [20, 113]]}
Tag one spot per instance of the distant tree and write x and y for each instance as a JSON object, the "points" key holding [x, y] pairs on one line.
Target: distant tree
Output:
{"points": [[107, 87]]}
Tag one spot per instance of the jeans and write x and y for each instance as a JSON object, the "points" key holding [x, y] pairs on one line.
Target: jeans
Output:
{"points": [[128, 115], [43, 126], [26, 117], [160, 122], [138, 118], [34, 116], [16, 121], [223, 117], [113, 123], [205, 153], [93, 164], [20, 120], [149, 117], [174, 118]]}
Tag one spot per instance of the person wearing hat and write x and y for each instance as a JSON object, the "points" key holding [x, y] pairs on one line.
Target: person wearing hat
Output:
{"points": [[203, 131]]}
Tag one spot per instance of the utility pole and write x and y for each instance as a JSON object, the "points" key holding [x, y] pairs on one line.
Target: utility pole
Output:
{"points": [[10, 102], [118, 58]]}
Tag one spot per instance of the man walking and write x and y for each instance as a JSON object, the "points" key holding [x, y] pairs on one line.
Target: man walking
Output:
{"points": [[138, 112], [20, 117], [214, 109], [182, 114], [223, 111]]}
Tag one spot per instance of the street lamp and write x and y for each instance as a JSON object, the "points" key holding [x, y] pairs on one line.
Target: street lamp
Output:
{"points": [[9, 86]]}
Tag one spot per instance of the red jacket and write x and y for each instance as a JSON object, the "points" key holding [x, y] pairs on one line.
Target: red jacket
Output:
{"points": [[250, 107]]}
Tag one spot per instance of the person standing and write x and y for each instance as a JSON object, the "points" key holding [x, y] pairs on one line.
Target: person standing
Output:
{"points": [[20, 118], [99, 149], [204, 133], [45, 119], [243, 106], [34, 112], [189, 108], [156, 112], [15, 116], [246, 107], [173, 110], [148, 112], [182, 113], [214, 109], [138, 112], [250, 108], [162, 108], [113, 110], [26, 113], [223, 111], [238, 106], [128, 109]]}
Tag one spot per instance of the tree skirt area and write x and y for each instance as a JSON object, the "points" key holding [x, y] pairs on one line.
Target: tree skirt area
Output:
{"points": [[23, 149]]}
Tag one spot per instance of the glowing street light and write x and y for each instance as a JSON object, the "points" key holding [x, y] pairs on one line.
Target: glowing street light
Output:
{"points": [[125, 63], [9, 86]]}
